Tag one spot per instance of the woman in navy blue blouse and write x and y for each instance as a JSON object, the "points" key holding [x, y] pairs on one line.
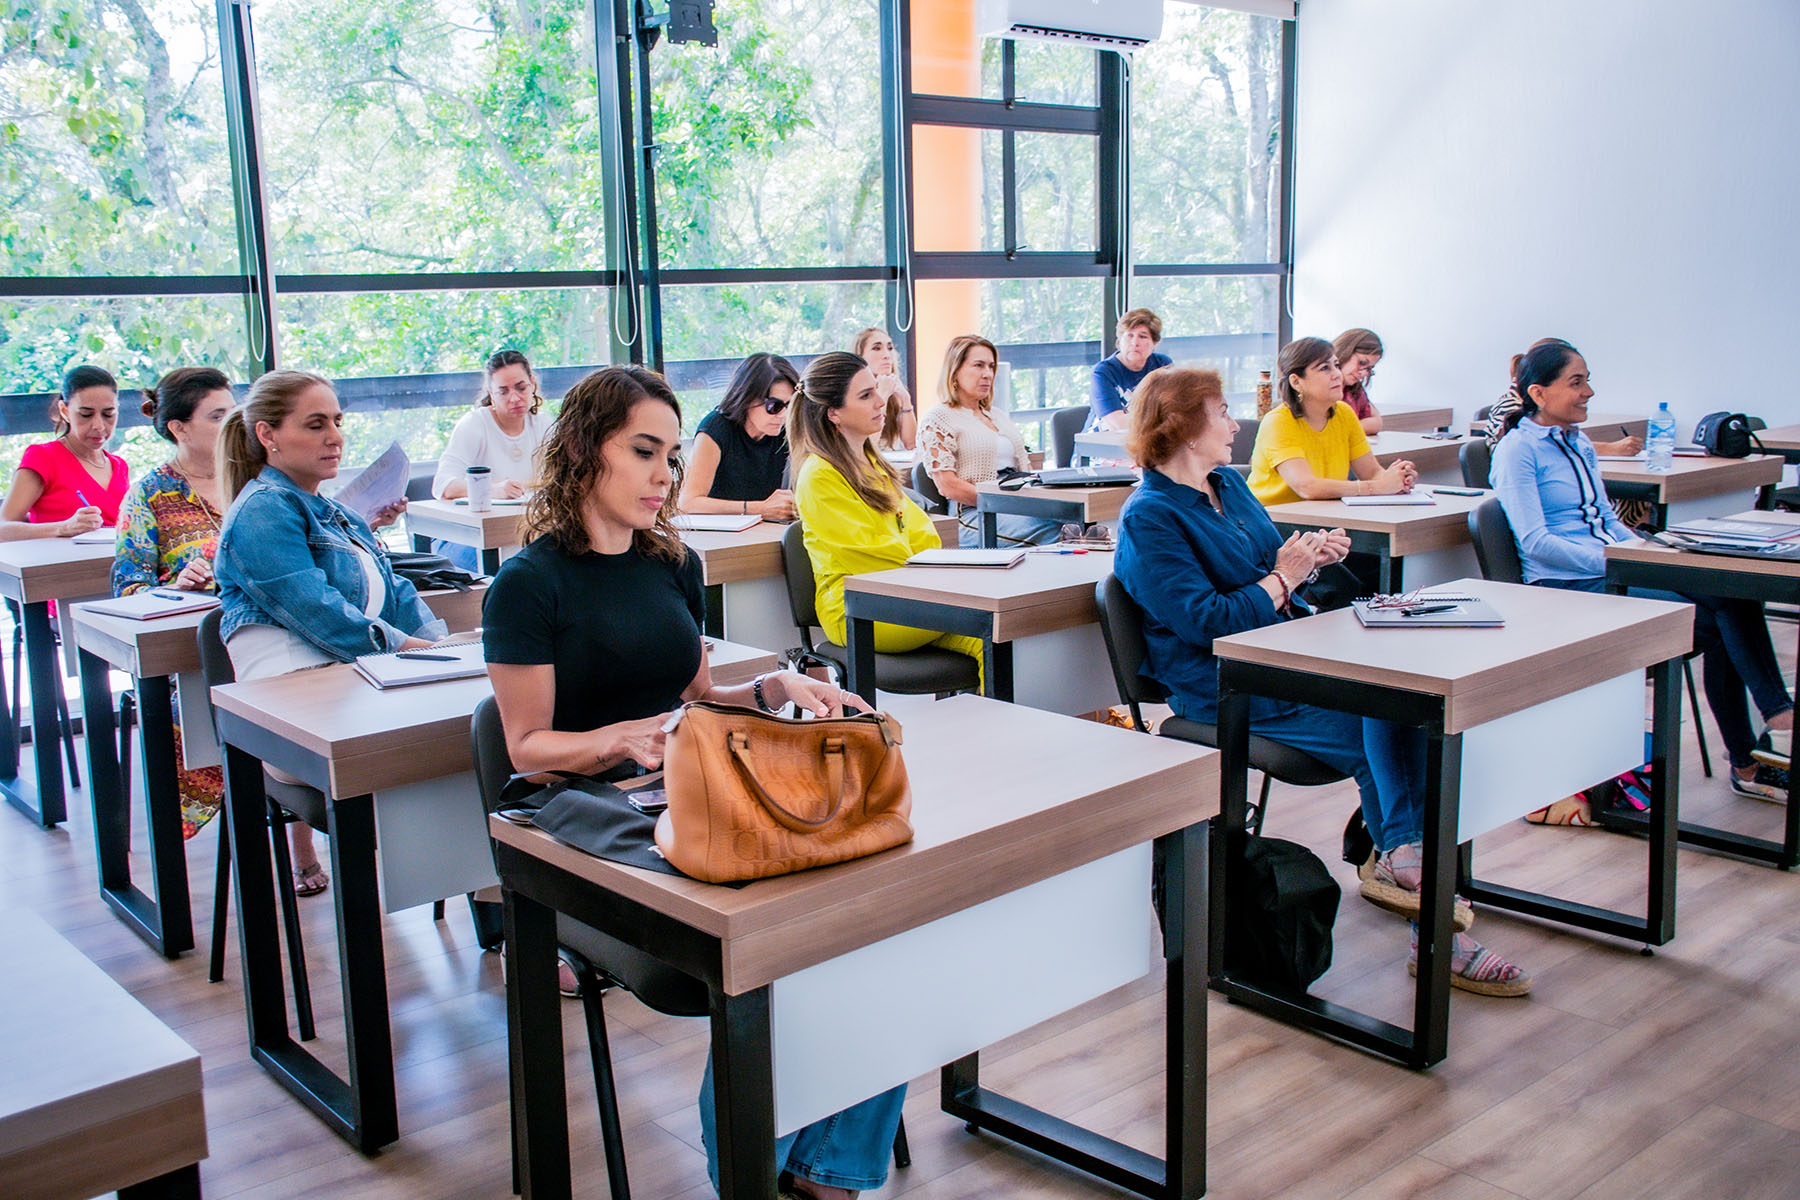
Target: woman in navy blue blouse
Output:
{"points": [[1201, 557]]}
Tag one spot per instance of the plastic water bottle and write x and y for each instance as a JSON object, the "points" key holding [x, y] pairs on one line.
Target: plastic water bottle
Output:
{"points": [[1661, 442]]}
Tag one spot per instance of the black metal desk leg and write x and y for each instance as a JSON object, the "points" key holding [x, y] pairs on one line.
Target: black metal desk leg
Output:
{"points": [[490, 561], [743, 1095], [990, 530], [1182, 856], [46, 734], [715, 610], [1437, 896], [421, 544], [534, 1022], [996, 668], [374, 1112], [1234, 801], [183, 1183], [259, 939], [9, 732], [1390, 570], [1665, 790], [860, 642]]}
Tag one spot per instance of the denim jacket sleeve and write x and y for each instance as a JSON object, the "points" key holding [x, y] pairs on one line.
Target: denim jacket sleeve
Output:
{"points": [[1169, 576], [269, 555], [1515, 474]]}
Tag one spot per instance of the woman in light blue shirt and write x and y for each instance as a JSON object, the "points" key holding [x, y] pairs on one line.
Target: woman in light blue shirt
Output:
{"points": [[1547, 477]]}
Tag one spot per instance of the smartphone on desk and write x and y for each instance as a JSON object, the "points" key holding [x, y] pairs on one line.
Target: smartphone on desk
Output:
{"points": [[649, 801]]}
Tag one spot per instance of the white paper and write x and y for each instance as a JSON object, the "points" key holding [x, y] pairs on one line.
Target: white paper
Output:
{"points": [[381, 483], [103, 536]]}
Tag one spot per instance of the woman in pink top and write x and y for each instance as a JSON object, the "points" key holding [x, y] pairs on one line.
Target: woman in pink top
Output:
{"points": [[70, 485]]}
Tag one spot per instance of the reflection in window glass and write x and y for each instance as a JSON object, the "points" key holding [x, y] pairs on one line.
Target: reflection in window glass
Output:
{"points": [[1206, 139], [437, 135], [1223, 321], [113, 152], [769, 144], [1058, 197], [707, 329]]}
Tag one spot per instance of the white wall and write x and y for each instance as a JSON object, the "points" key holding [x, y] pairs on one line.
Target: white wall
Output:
{"points": [[1475, 174]]}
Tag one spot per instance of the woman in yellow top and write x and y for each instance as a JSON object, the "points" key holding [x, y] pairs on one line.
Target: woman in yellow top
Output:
{"points": [[1311, 446], [855, 516]]}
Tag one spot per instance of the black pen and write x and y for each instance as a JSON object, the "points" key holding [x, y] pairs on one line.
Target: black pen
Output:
{"points": [[416, 656], [1429, 608]]}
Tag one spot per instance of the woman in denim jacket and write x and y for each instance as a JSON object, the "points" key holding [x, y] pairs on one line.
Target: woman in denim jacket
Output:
{"points": [[302, 580]]}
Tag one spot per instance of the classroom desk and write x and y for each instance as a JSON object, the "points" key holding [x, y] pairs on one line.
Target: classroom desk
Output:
{"points": [[1083, 505], [1693, 487], [1038, 624], [157, 654], [489, 532], [746, 588], [1648, 564], [1438, 459], [32, 574], [1783, 440], [1401, 418], [331, 729], [97, 1095], [1564, 678], [1100, 443], [1023, 893], [1601, 427], [1415, 545]]}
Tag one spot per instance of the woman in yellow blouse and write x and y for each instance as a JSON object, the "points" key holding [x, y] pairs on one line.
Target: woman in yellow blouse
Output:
{"points": [[1311, 446], [854, 513]]}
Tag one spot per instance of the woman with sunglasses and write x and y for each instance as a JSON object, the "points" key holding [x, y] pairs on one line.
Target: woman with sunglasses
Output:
{"points": [[740, 456]]}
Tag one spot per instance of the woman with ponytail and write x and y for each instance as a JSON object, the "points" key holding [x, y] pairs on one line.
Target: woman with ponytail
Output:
{"points": [[70, 484], [303, 581], [1514, 405], [855, 515], [1547, 477]]}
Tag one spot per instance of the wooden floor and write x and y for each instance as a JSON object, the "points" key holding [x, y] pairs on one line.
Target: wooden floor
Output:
{"points": [[1676, 1075]]}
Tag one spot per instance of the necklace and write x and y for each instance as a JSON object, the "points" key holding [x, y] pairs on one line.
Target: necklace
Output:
{"points": [[94, 464]]}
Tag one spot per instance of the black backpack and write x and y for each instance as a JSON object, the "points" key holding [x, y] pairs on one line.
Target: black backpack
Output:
{"points": [[430, 572], [1279, 914], [1727, 435]]}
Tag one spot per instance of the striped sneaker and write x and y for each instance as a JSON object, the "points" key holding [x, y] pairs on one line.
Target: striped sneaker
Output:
{"points": [[1769, 783], [1773, 746]]}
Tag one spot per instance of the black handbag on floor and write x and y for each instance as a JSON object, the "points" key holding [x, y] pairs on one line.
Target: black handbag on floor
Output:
{"points": [[1279, 914]]}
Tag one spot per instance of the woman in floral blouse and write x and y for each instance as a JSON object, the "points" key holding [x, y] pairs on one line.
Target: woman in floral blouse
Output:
{"points": [[169, 529]]}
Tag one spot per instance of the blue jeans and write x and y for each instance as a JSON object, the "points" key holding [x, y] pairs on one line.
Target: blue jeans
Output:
{"points": [[850, 1149], [1735, 654], [466, 557], [1386, 760], [1014, 530]]}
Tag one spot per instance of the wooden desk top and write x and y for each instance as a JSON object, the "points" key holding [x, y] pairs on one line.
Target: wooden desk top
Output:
{"points": [[55, 569], [1403, 418], [1044, 593], [1655, 552], [373, 739], [1427, 454], [170, 646], [1781, 437], [1603, 427], [756, 552], [1697, 478], [1003, 796], [1410, 529], [97, 1093], [1554, 642], [497, 529], [1098, 503]]}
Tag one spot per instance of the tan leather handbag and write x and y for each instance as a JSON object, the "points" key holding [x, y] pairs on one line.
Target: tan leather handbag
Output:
{"points": [[753, 795]]}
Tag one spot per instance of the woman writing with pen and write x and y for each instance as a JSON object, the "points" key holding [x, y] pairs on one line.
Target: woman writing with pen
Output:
{"points": [[71, 484]]}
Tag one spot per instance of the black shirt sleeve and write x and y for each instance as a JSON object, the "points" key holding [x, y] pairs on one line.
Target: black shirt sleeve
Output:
{"points": [[518, 615], [687, 577]]}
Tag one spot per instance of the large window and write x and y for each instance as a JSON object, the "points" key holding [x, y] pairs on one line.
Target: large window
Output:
{"points": [[401, 188]]}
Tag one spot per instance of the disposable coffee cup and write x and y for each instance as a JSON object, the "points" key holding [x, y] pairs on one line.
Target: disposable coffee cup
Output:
{"points": [[480, 482]]}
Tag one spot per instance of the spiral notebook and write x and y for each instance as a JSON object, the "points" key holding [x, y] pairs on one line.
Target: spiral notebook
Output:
{"points": [[1441, 611], [432, 664]]}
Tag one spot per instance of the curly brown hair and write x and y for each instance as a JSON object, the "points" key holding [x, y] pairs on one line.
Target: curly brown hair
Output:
{"points": [[570, 462], [1169, 409]]}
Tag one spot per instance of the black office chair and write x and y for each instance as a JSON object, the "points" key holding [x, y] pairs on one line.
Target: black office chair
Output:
{"points": [[1497, 552], [1244, 442], [287, 803], [1476, 459], [1122, 624], [418, 484], [601, 960], [1482, 413], [1065, 423], [927, 671], [924, 485]]}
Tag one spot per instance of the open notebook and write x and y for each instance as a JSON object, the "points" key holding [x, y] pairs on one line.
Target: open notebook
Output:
{"points": [[433, 664], [966, 558], [715, 522], [106, 535], [1404, 498]]}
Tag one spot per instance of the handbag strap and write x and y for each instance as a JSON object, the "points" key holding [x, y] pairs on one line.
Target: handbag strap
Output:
{"points": [[834, 776]]}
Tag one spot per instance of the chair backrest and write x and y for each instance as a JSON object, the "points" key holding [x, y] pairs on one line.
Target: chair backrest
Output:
{"points": [[1495, 548], [215, 662], [487, 741], [1065, 423], [1482, 413], [1122, 625], [1476, 458], [796, 569], [1244, 442], [418, 484], [927, 487]]}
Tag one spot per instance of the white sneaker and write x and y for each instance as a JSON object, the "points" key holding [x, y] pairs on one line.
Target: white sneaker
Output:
{"points": [[1773, 747]]}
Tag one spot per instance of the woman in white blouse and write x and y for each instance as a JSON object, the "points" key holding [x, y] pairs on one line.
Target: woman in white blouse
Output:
{"points": [[965, 440], [502, 433]]}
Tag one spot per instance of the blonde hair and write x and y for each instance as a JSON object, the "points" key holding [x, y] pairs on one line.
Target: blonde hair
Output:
{"points": [[241, 453], [889, 437], [810, 430], [955, 355]]}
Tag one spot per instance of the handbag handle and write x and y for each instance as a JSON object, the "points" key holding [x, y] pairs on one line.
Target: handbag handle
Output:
{"points": [[739, 744]]}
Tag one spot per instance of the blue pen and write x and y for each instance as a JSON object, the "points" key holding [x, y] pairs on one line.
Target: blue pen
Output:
{"points": [[84, 500]]}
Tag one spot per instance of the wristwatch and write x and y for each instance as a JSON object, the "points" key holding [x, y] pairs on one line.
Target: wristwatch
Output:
{"points": [[756, 690]]}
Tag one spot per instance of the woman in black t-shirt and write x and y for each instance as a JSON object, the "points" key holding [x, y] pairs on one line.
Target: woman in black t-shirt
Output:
{"points": [[592, 637], [740, 450]]}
